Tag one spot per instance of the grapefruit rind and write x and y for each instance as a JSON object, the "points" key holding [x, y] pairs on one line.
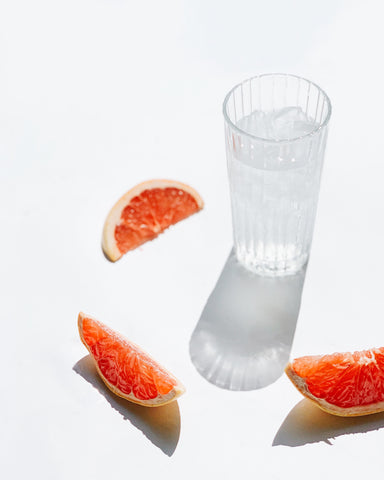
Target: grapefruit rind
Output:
{"points": [[356, 411], [159, 401], [109, 245]]}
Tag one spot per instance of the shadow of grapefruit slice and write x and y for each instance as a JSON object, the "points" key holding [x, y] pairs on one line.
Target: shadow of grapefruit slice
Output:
{"points": [[345, 384], [125, 368], [144, 212]]}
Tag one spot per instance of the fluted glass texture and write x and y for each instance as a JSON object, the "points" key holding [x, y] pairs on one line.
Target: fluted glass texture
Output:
{"points": [[276, 131]]}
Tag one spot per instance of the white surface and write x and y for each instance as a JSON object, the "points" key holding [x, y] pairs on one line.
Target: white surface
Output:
{"points": [[96, 96]]}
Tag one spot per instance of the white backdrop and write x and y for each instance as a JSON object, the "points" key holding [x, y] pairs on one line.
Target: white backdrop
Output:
{"points": [[96, 96]]}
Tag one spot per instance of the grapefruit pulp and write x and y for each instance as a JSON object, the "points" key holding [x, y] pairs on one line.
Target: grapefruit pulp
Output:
{"points": [[125, 368], [144, 212], [344, 384]]}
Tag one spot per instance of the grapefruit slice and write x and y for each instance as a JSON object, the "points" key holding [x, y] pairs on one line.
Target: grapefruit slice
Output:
{"points": [[345, 384], [125, 368], [144, 212]]}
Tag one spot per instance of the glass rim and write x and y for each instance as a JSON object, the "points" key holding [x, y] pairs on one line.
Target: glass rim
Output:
{"points": [[323, 124]]}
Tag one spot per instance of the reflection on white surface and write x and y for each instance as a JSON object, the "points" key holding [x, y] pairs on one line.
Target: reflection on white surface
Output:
{"points": [[161, 425], [244, 336], [306, 423]]}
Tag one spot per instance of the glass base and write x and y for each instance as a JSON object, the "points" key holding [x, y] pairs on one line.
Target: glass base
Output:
{"points": [[271, 268]]}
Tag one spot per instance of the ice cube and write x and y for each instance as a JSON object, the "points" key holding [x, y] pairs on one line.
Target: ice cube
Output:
{"points": [[282, 124], [290, 122], [254, 124]]}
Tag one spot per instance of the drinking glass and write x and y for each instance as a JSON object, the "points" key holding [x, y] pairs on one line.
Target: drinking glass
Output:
{"points": [[275, 132]]}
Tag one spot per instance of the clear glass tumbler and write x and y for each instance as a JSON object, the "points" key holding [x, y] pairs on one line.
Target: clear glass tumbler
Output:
{"points": [[276, 131]]}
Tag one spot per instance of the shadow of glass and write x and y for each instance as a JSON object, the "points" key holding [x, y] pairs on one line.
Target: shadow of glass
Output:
{"points": [[244, 336], [306, 423], [161, 425]]}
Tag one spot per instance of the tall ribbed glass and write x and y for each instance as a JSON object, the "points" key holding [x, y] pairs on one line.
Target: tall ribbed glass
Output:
{"points": [[275, 131]]}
